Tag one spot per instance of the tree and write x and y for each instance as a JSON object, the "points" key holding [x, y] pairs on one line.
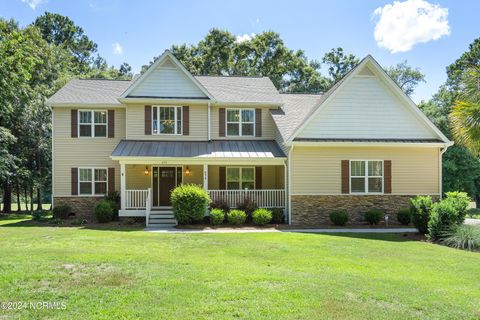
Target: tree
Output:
{"points": [[339, 63], [405, 76], [61, 31]]}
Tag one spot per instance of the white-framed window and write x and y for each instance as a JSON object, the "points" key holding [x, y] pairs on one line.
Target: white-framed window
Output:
{"points": [[239, 178], [92, 181], [166, 120], [240, 122], [92, 123], [366, 176]]}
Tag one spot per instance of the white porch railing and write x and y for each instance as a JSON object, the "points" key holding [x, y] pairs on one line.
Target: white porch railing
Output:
{"points": [[263, 198], [136, 199]]}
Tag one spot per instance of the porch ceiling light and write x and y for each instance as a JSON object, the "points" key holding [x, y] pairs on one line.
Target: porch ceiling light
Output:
{"points": [[187, 171], [146, 171]]}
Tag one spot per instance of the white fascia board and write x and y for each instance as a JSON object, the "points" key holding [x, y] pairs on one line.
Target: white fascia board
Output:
{"points": [[191, 161], [370, 144], [86, 105], [162, 101], [164, 56]]}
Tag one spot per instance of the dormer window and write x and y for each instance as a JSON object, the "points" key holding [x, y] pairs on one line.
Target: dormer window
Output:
{"points": [[240, 122], [166, 120]]}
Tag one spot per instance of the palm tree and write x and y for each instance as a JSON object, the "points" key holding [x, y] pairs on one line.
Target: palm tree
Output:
{"points": [[465, 114]]}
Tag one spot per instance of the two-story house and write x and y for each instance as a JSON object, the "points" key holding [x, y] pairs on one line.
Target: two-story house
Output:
{"points": [[363, 144]]}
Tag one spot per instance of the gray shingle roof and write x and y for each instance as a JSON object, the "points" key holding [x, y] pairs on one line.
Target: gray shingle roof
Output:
{"points": [[241, 89], [201, 149], [295, 109], [94, 91]]}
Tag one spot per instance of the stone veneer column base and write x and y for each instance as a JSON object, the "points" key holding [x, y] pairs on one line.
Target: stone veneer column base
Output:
{"points": [[82, 207], [315, 210]]}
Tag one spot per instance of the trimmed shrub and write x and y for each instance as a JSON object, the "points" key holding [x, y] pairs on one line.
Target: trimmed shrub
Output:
{"points": [[339, 218], [463, 237], [278, 215], [261, 216], [236, 217], [104, 211], [114, 198], [404, 217], [61, 211], [248, 206], [460, 202], [220, 204], [189, 203], [217, 216], [39, 215], [420, 208], [473, 213], [373, 216]]}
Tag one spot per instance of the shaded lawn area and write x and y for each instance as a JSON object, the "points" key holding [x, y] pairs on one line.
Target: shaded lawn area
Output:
{"points": [[135, 274]]}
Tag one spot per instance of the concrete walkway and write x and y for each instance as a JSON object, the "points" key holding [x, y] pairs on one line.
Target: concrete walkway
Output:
{"points": [[472, 221], [265, 230]]}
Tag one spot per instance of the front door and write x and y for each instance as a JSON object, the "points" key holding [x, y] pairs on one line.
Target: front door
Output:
{"points": [[165, 179]]}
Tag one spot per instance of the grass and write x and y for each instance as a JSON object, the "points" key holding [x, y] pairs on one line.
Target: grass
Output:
{"points": [[46, 206], [129, 273]]}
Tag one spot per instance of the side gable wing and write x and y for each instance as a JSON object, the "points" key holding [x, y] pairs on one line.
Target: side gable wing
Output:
{"points": [[368, 105], [167, 78]]}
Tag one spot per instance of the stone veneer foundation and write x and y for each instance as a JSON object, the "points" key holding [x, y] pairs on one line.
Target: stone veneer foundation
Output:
{"points": [[82, 207], [315, 210]]}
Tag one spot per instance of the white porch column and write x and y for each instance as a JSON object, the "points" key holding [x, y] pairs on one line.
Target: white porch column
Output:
{"points": [[122, 186], [205, 176]]}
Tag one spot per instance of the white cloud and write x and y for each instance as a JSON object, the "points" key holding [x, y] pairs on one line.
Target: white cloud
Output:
{"points": [[245, 37], [34, 3], [401, 25], [117, 48]]}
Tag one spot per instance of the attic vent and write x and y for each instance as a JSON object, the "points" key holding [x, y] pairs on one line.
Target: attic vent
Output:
{"points": [[168, 64]]}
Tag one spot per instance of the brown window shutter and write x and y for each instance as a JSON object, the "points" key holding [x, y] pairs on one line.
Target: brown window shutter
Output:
{"points": [[387, 176], [186, 120], [258, 178], [111, 123], [74, 181], [222, 176], [221, 122], [148, 120], [74, 122], [258, 122], [111, 179], [345, 176]]}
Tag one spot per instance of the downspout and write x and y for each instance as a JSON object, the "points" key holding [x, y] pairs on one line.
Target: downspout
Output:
{"points": [[289, 214], [209, 135]]}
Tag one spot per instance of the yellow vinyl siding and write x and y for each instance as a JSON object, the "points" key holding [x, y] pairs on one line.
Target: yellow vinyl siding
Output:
{"points": [[196, 175], [137, 180], [272, 177], [198, 124], [268, 125], [82, 152], [317, 170]]}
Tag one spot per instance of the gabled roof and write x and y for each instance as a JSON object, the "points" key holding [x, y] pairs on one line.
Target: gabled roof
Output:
{"points": [[166, 55], [322, 102], [233, 89], [295, 109], [93, 91]]}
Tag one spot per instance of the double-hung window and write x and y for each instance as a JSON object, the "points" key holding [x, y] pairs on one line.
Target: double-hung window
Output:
{"points": [[366, 176], [241, 122], [92, 123], [240, 178], [166, 120], [92, 181]]}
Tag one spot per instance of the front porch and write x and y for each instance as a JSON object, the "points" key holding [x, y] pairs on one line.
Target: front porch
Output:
{"points": [[147, 187]]}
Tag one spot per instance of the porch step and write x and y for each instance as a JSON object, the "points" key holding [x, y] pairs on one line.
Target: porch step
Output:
{"points": [[162, 219]]}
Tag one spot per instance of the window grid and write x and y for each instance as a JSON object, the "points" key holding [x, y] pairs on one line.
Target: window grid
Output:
{"points": [[164, 117], [92, 181], [364, 169], [241, 178], [92, 123], [245, 118]]}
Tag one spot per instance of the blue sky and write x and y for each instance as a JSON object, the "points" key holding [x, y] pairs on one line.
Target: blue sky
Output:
{"points": [[430, 35]]}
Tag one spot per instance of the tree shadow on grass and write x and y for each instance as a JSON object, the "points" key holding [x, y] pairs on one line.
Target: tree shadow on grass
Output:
{"points": [[48, 222], [391, 237]]}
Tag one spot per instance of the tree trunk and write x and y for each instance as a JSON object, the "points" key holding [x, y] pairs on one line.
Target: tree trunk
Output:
{"points": [[19, 203], [7, 198], [31, 199], [39, 199], [477, 200], [26, 197]]}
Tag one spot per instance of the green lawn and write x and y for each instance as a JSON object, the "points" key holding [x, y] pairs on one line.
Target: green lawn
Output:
{"points": [[46, 206], [120, 274]]}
